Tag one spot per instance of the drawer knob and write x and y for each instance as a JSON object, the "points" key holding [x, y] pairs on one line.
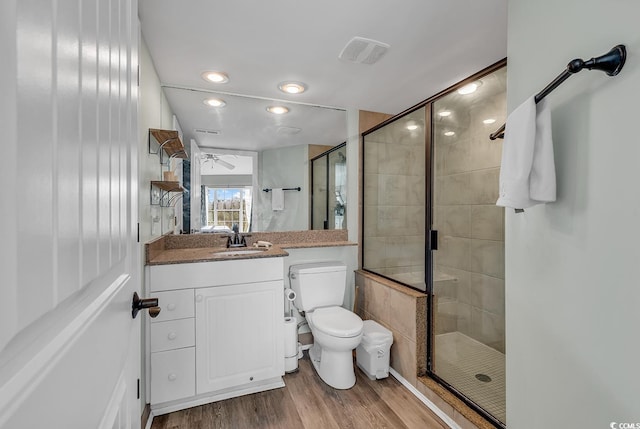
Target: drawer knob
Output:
{"points": [[172, 377], [171, 307], [198, 298], [172, 336]]}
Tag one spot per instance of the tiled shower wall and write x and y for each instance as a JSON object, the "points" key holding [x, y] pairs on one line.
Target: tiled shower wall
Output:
{"points": [[394, 201], [469, 264]]}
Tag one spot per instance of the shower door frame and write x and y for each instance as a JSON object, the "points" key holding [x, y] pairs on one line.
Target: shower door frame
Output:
{"points": [[430, 234], [328, 181]]}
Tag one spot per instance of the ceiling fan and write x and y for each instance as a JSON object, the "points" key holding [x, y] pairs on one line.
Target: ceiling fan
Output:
{"points": [[215, 158]]}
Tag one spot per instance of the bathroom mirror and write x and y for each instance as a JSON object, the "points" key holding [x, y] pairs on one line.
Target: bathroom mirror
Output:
{"points": [[240, 134]]}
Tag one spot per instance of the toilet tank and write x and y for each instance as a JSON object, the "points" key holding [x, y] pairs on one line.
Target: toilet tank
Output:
{"points": [[319, 284]]}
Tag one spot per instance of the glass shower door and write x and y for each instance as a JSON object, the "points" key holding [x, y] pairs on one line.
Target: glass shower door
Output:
{"points": [[468, 333], [395, 188]]}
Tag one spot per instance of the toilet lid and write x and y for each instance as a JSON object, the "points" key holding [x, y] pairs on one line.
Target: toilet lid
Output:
{"points": [[337, 322]]}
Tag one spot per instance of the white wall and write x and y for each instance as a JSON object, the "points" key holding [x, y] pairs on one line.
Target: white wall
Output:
{"points": [[286, 167], [195, 191], [353, 160], [573, 267], [227, 180], [154, 113]]}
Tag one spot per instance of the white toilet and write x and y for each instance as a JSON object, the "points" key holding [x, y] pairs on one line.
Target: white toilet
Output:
{"points": [[336, 332]]}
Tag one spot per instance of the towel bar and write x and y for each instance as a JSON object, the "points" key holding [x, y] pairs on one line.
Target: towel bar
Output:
{"points": [[284, 189], [611, 63]]}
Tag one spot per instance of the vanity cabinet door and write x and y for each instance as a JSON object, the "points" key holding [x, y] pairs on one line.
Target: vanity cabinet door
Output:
{"points": [[239, 335]]}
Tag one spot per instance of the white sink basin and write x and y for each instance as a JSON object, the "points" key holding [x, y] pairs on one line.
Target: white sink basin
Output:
{"points": [[237, 252]]}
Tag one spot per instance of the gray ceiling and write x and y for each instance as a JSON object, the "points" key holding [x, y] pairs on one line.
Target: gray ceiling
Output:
{"points": [[433, 44]]}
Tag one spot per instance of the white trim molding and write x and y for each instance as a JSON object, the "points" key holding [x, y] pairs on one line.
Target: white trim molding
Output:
{"points": [[443, 416]]}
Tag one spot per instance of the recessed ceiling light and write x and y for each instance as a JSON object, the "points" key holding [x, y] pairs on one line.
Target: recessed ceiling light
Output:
{"points": [[449, 133], [277, 110], [214, 102], [444, 113], [488, 121], [292, 87], [470, 88], [215, 77]]}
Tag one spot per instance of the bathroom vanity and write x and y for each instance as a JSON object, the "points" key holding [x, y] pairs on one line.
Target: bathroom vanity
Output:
{"points": [[220, 330]]}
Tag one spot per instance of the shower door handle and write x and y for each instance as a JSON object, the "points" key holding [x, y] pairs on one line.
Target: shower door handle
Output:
{"points": [[433, 239]]}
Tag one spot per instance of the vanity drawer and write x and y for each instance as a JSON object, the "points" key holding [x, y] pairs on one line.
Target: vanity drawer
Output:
{"points": [[173, 375], [175, 304], [173, 334]]}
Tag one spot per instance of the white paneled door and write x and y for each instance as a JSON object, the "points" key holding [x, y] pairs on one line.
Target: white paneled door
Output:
{"points": [[69, 347]]}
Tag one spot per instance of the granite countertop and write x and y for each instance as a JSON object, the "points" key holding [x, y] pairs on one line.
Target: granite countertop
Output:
{"points": [[212, 254], [208, 254], [181, 249]]}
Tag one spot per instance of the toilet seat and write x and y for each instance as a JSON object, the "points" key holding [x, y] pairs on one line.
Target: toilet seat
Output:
{"points": [[336, 321]]}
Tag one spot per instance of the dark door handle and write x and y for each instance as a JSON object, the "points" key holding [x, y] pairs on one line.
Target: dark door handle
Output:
{"points": [[140, 304]]}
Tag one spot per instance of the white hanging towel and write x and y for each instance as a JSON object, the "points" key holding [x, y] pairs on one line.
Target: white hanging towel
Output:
{"points": [[527, 172], [277, 199]]}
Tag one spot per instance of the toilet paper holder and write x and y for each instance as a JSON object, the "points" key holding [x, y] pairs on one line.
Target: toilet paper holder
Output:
{"points": [[290, 296]]}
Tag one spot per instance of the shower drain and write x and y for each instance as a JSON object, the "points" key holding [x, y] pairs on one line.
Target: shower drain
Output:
{"points": [[483, 377]]}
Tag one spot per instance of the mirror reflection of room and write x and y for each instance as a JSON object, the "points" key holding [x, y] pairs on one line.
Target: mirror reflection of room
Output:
{"points": [[329, 189], [238, 148]]}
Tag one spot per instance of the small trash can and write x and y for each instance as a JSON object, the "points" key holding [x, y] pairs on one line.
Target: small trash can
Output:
{"points": [[372, 355]]}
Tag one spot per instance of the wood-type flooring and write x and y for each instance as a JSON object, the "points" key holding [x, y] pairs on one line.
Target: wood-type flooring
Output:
{"points": [[307, 403]]}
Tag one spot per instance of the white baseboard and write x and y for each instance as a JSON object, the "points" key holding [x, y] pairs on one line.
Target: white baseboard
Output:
{"points": [[437, 411]]}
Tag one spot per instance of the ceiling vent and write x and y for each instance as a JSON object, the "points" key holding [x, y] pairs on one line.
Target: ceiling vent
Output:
{"points": [[208, 132], [288, 131], [364, 51]]}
